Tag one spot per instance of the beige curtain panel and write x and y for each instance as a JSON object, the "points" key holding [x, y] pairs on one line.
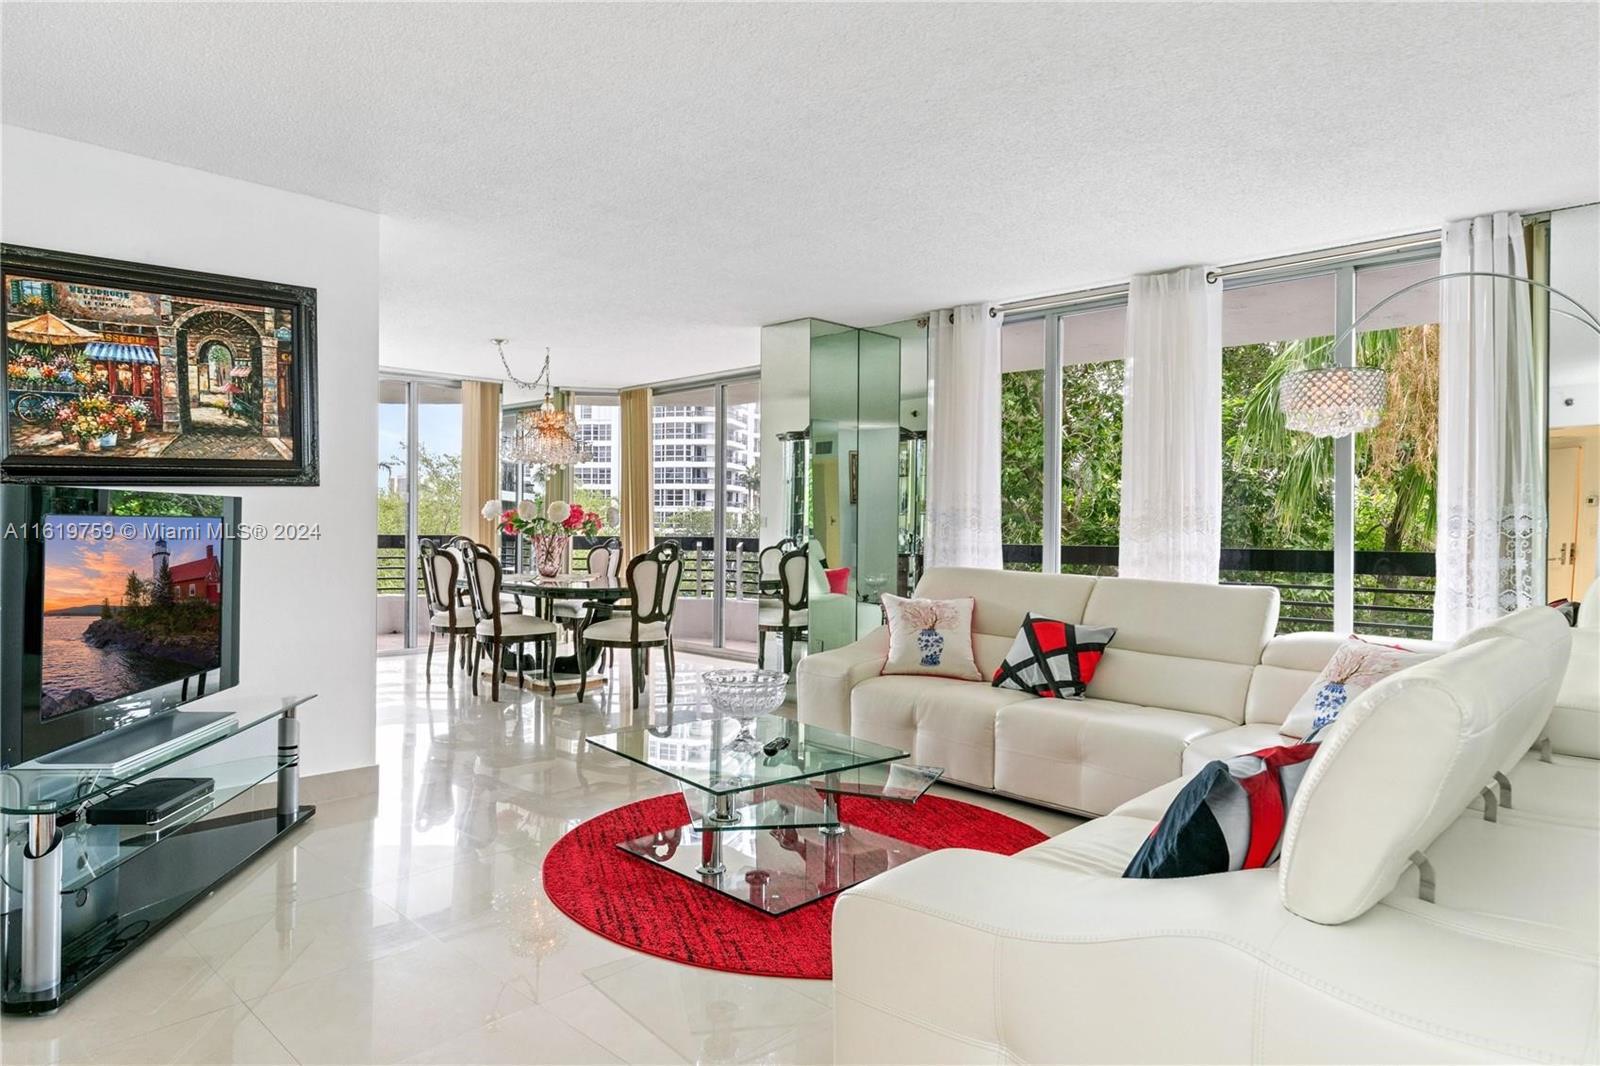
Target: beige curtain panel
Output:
{"points": [[480, 459], [558, 479], [637, 472]]}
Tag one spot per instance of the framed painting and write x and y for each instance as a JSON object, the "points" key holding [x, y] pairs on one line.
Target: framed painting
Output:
{"points": [[119, 373]]}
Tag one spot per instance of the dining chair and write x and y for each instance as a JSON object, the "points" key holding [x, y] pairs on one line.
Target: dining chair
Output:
{"points": [[790, 616], [603, 559], [642, 620], [441, 573], [496, 627]]}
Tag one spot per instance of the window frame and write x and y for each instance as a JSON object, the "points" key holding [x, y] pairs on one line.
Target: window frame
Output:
{"points": [[1345, 489]]}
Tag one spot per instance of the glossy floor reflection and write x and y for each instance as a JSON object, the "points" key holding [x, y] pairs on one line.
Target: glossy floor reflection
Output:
{"points": [[412, 926]]}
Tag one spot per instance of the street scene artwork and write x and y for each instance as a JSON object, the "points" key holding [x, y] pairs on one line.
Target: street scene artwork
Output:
{"points": [[103, 374]]}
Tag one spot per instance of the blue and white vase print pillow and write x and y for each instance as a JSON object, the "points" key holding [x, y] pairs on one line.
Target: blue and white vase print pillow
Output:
{"points": [[930, 637], [1355, 667]]}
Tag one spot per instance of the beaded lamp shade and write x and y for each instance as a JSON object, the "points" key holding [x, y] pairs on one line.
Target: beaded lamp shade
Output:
{"points": [[1333, 401], [545, 436], [541, 436]]}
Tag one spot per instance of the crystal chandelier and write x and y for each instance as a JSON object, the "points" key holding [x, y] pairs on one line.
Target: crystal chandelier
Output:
{"points": [[1333, 401], [540, 436]]}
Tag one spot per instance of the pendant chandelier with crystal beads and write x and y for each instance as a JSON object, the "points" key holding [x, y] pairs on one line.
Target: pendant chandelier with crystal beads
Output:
{"points": [[540, 436], [1333, 401]]}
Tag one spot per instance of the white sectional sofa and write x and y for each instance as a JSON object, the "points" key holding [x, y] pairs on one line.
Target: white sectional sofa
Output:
{"points": [[1051, 955], [1189, 662]]}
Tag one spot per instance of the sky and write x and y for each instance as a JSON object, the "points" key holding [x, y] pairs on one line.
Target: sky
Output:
{"points": [[438, 427], [93, 565]]}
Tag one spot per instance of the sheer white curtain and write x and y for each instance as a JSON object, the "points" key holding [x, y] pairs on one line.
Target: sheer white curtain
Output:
{"points": [[1171, 524], [964, 437], [1491, 431]]}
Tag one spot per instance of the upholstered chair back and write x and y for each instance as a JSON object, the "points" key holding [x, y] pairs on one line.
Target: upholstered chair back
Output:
{"points": [[605, 558], [1396, 768], [794, 579], [440, 570], [483, 581], [767, 562], [653, 580]]}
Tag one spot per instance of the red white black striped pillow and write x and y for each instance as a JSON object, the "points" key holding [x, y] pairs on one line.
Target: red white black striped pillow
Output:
{"points": [[1230, 816], [1052, 658]]}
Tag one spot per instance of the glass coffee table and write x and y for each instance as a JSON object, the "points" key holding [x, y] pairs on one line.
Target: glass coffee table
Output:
{"points": [[764, 829]]}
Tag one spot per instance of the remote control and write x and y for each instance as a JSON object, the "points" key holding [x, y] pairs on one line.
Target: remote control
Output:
{"points": [[772, 747]]}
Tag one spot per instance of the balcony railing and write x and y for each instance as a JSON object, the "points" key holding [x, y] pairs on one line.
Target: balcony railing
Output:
{"points": [[1393, 590], [743, 565]]}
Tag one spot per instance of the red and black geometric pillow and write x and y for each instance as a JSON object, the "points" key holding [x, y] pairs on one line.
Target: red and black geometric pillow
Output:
{"points": [[1230, 816], [1053, 659]]}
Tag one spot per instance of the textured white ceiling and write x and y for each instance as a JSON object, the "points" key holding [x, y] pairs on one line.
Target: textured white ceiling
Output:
{"points": [[641, 187]]}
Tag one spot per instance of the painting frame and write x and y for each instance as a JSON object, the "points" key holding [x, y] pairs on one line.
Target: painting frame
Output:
{"points": [[297, 302]]}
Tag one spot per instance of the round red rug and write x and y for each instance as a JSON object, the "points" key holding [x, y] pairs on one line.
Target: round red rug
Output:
{"points": [[638, 904]]}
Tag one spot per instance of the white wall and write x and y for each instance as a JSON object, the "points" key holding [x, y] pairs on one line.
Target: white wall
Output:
{"points": [[306, 608]]}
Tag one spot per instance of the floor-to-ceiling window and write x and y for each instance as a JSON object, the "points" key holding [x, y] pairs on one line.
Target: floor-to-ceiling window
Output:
{"points": [[1277, 486], [1091, 345], [707, 455], [1023, 438], [1344, 529], [1061, 425], [597, 481], [1396, 463], [418, 496]]}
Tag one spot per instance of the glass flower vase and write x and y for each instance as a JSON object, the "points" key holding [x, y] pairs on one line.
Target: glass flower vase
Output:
{"points": [[549, 553]]}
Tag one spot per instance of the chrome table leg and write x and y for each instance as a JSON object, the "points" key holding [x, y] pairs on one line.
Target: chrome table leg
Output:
{"points": [[830, 807], [289, 768], [41, 907]]}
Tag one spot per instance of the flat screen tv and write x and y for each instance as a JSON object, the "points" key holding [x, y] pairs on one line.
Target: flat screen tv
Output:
{"points": [[115, 605]]}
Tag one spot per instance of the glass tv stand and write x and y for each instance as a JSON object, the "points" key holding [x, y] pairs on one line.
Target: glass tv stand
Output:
{"points": [[78, 897]]}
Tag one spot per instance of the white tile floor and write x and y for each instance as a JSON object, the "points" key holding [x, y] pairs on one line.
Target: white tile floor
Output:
{"points": [[413, 927]]}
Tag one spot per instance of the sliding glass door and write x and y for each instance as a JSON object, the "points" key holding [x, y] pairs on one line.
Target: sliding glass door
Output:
{"points": [[706, 442], [418, 497]]}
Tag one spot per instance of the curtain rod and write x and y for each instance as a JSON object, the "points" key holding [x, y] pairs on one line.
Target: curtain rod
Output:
{"points": [[1254, 266], [1347, 251]]}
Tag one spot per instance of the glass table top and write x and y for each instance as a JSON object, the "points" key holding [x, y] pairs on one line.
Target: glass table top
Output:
{"points": [[711, 755], [564, 584], [36, 788]]}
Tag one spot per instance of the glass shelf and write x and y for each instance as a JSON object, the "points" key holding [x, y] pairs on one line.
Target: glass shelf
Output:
{"points": [[31, 789], [96, 892], [704, 752], [899, 782], [783, 807], [100, 849]]}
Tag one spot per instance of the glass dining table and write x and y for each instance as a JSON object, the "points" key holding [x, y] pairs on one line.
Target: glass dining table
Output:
{"points": [[545, 591], [580, 589]]}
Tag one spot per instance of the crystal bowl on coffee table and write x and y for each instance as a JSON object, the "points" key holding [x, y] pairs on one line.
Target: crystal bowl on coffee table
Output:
{"points": [[745, 695]]}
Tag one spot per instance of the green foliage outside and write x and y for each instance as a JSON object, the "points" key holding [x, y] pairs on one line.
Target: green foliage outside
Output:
{"points": [[1277, 485], [438, 495]]}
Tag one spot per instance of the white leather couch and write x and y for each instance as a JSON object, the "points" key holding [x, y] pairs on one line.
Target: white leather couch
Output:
{"points": [[1331, 956], [1189, 662]]}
